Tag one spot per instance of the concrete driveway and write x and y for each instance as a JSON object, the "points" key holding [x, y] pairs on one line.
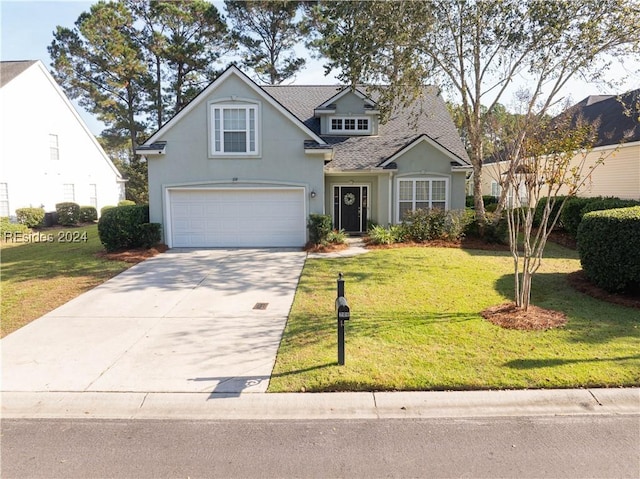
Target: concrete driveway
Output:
{"points": [[183, 321]]}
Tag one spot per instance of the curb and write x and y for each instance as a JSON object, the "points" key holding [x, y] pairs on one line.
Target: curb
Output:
{"points": [[301, 406]]}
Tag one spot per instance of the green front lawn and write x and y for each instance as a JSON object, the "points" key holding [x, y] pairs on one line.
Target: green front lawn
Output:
{"points": [[416, 325], [57, 266]]}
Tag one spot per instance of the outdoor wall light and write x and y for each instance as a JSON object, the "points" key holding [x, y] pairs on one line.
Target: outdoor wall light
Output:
{"points": [[313, 194]]}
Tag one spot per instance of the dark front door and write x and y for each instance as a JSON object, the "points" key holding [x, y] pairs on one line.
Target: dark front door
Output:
{"points": [[350, 208]]}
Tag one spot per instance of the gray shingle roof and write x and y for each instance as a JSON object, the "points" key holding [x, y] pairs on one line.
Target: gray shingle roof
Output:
{"points": [[618, 117], [426, 116], [10, 70]]}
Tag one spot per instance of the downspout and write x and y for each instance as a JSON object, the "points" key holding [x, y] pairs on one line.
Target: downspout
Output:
{"points": [[391, 197]]}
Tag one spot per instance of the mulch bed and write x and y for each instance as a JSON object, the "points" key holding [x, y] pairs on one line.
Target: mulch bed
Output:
{"points": [[133, 255], [509, 316], [330, 248], [580, 282], [465, 243]]}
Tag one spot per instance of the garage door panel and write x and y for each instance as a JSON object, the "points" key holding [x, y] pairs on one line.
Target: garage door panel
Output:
{"points": [[237, 218]]}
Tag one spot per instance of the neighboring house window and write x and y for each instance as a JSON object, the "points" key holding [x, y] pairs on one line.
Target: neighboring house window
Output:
{"points": [[234, 129], [422, 193], [54, 152], [350, 125], [93, 195], [68, 192], [495, 189], [4, 200]]}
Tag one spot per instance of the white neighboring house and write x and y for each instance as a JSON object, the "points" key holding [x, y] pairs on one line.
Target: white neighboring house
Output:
{"points": [[47, 153]]}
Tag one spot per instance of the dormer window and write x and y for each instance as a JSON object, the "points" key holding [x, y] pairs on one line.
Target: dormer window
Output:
{"points": [[357, 125]]}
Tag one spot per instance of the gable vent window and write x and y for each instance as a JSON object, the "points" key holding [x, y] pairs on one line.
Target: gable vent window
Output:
{"points": [[234, 130], [54, 152], [350, 125]]}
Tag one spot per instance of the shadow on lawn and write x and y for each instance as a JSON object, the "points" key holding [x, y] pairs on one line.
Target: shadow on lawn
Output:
{"points": [[546, 363]]}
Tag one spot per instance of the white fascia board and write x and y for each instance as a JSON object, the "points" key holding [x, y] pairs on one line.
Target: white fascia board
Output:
{"points": [[367, 171], [430, 141], [76, 115], [232, 70]]}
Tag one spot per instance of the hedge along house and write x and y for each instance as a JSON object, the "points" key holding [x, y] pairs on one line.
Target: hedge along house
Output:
{"points": [[244, 165]]}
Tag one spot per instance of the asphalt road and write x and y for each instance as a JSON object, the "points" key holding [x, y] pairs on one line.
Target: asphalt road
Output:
{"points": [[564, 446]]}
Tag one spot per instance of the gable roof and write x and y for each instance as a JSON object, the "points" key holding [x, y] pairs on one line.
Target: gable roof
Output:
{"points": [[427, 116], [14, 69], [617, 116], [230, 71], [10, 70]]}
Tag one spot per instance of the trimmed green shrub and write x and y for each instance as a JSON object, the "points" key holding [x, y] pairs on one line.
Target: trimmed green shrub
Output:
{"points": [[608, 245], [319, 227], [68, 213], [106, 208], [150, 234], [571, 215], [8, 229], [126, 203], [425, 225], [468, 201], [609, 203], [493, 231], [30, 217], [88, 214], [576, 208], [120, 227], [537, 216]]}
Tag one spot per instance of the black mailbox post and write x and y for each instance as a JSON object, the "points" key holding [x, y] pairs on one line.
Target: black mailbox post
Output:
{"points": [[344, 314]]}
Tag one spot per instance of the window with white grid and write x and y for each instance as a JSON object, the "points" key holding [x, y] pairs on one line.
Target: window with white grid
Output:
{"points": [[235, 130], [421, 193]]}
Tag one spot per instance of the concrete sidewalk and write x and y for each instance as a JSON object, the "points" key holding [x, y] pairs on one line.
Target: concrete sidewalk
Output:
{"points": [[380, 405]]}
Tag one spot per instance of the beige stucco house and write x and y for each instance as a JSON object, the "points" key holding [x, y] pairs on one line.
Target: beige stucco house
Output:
{"points": [[618, 144], [245, 165]]}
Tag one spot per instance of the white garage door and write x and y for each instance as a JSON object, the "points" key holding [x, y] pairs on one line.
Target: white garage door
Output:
{"points": [[237, 217]]}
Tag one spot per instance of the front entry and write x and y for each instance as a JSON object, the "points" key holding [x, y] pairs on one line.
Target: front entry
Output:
{"points": [[350, 208]]}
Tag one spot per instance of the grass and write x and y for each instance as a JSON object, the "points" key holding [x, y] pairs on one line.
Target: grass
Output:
{"points": [[416, 325], [39, 276]]}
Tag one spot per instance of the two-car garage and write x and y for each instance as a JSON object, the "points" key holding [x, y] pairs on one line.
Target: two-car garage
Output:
{"points": [[236, 217]]}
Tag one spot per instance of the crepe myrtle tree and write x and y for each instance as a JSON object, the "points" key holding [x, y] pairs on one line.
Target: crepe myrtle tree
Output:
{"points": [[555, 158]]}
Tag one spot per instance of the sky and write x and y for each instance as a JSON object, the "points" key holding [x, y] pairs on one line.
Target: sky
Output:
{"points": [[26, 29]]}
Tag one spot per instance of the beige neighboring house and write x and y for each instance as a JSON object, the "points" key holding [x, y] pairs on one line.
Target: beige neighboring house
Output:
{"points": [[618, 143], [47, 153]]}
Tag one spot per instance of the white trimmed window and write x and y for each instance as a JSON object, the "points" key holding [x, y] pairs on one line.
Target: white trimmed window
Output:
{"points": [[68, 192], [496, 189], [349, 125], [93, 195], [234, 130], [422, 193], [54, 150], [4, 200]]}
